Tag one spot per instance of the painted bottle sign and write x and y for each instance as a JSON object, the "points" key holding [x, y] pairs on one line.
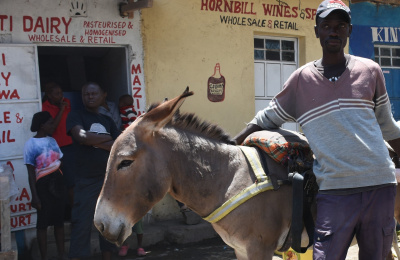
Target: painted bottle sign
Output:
{"points": [[216, 86]]}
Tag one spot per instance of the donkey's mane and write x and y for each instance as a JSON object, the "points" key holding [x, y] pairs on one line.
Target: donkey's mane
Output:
{"points": [[190, 122]]}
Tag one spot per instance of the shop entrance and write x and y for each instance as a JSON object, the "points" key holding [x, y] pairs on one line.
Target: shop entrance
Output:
{"points": [[72, 67]]}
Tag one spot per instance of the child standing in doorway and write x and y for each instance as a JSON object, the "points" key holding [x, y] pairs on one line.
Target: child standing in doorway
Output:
{"points": [[128, 115], [42, 158], [126, 110]]}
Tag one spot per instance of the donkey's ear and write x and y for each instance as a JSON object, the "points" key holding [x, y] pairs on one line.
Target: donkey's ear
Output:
{"points": [[163, 113]]}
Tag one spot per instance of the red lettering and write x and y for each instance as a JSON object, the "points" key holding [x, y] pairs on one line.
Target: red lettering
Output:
{"points": [[66, 24], [136, 69], [39, 24], [137, 104], [21, 207], [2, 18], [228, 7], [136, 94], [25, 20], [278, 10], [19, 221], [294, 9], [287, 12], [313, 13], [6, 137], [11, 165], [268, 9], [136, 80], [237, 7], [13, 208], [6, 77], [308, 12], [6, 94], [3, 57], [55, 22], [14, 222], [212, 5], [24, 195], [14, 94], [22, 221], [6, 117], [218, 5]]}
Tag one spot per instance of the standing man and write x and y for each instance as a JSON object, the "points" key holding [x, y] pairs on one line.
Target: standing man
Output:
{"points": [[93, 134], [342, 106]]}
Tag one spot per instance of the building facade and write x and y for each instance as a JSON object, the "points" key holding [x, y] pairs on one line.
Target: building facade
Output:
{"points": [[234, 55], [376, 35]]}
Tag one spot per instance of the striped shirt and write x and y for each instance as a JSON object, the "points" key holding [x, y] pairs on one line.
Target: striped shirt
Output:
{"points": [[344, 121]]}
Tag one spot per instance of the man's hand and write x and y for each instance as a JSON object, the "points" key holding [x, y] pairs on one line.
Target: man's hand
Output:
{"points": [[63, 105], [249, 129]]}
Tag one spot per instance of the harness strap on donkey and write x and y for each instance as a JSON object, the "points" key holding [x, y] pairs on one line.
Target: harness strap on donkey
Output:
{"points": [[262, 184], [301, 207]]}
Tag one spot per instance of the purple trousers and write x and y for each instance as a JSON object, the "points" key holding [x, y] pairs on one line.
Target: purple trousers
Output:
{"points": [[369, 216]]}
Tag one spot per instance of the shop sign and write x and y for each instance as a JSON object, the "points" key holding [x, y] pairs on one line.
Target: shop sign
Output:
{"points": [[19, 100]]}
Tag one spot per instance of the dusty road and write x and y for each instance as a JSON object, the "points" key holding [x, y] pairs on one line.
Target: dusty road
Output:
{"points": [[211, 249]]}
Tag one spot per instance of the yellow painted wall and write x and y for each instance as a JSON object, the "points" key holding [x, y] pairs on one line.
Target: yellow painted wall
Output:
{"points": [[182, 43]]}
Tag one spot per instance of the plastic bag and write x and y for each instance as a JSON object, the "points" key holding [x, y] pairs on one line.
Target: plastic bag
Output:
{"points": [[6, 171]]}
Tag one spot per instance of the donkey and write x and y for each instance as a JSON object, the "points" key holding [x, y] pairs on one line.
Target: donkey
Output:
{"points": [[199, 165]]}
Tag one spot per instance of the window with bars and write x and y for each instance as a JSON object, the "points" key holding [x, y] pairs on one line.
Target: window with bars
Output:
{"points": [[387, 56], [274, 50]]}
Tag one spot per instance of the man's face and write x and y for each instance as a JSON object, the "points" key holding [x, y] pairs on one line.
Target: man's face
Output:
{"points": [[56, 96], [333, 32], [92, 96]]}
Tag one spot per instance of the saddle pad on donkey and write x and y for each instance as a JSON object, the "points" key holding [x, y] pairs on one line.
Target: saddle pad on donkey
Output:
{"points": [[281, 145]]}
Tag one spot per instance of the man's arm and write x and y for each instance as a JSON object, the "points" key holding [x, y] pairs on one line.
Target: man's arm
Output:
{"points": [[87, 138], [249, 129], [58, 117], [106, 145]]}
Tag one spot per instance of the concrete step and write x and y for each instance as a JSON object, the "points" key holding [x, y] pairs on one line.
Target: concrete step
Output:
{"points": [[174, 231]]}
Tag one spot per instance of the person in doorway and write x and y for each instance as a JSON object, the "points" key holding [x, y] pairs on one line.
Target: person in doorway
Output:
{"points": [[343, 108], [110, 109], [93, 134], [42, 157], [59, 107], [127, 110], [128, 115]]}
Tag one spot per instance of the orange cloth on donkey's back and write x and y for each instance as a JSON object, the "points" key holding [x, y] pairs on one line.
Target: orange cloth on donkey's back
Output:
{"points": [[279, 150]]}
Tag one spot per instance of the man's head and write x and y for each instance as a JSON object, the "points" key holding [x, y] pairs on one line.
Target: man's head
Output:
{"points": [[333, 25], [328, 6], [54, 93], [92, 96]]}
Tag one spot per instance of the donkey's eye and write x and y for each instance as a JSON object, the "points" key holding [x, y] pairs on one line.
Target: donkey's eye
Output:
{"points": [[124, 163]]}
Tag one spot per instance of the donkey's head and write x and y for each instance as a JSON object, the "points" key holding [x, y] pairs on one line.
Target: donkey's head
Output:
{"points": [[136, 178]]}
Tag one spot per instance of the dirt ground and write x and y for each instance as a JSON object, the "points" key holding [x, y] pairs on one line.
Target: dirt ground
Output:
{"points": [[209, 249]]}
